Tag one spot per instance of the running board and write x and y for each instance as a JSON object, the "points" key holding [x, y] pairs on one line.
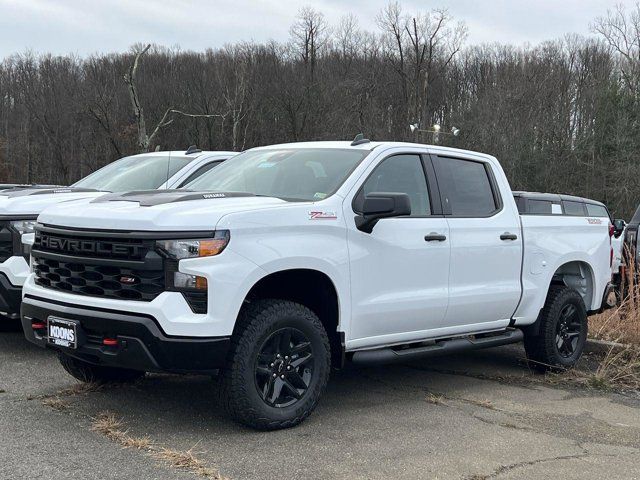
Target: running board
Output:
{"points": [[441, 347]]}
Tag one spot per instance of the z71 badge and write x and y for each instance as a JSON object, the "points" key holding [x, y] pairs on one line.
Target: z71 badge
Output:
{"points": [[322, 216]]}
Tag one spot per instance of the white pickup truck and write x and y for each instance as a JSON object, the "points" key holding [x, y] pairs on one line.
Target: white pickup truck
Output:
{"points": [[289, 259], [20, 206]]}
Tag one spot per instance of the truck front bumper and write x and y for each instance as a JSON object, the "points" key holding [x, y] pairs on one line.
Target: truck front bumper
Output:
{"points": [[13, 273], [10, 298], [141, 343]]}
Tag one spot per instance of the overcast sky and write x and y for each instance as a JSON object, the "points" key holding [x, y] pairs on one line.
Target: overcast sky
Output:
{"points": [[84, 27]]}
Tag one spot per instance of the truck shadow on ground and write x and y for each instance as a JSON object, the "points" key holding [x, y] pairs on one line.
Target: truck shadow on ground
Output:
{"points": [[193, 402]]}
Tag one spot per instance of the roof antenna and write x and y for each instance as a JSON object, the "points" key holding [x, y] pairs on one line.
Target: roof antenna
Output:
{"points": [[359, 140], [192, 149]]}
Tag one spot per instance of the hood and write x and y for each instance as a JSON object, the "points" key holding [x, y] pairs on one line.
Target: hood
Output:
{"points": [[155, 210], [17, 202]]}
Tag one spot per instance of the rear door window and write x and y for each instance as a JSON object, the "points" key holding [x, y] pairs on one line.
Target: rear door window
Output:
{"points": [[539, 207], [575, 209], [466, 187], [597, 210], [543, 207]]}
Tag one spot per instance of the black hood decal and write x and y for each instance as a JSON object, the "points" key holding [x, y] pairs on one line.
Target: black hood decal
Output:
{"points": [[149, 198], [22, 186], [42, 190]]}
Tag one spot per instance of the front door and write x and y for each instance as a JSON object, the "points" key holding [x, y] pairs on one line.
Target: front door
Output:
{"points": [[399, 271]]}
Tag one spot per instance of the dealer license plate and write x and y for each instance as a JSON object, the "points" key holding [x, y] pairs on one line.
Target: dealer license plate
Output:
{"points": [[62, 332]]}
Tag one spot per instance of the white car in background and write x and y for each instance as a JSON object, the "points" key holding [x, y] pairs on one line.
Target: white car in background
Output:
{"points": [[19, 207]]}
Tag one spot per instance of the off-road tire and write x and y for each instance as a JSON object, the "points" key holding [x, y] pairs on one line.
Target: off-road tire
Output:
{"points": [[256, 323], [88, 373], [542, 350]]}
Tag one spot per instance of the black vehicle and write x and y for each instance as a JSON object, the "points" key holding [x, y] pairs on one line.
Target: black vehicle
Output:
{"points": [[630, 247]]}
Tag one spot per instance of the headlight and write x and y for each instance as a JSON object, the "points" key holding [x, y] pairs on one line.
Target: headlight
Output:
{"points": [[24, 226], [194, 248]]}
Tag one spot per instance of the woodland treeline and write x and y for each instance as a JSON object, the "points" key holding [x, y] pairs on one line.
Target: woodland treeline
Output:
{"points": [[562, 116]]}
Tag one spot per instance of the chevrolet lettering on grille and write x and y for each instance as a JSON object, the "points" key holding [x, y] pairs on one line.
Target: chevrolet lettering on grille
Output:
{"points": [[72, 245]]}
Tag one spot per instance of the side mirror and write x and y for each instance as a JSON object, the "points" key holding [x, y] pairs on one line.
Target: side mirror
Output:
{"points": [[381, 205], [618, 227]]}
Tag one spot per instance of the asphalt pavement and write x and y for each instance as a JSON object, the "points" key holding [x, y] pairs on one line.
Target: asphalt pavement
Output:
{"points": [[474, 416]]}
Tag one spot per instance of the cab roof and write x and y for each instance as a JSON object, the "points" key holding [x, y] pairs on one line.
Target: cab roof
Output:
{"points": [[183, 153], [369, 146], [556, 197]]}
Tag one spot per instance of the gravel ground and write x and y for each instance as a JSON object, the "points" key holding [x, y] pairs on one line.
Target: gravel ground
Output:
{"points": [[473, 416]]}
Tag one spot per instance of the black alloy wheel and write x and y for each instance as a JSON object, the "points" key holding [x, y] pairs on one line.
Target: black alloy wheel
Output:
{"points": [[568, 331], [284, 367]]}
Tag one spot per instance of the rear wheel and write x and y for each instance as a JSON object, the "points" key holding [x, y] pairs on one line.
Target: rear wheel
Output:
{"points": [[562, 332], [88, 373], [278, 365]]}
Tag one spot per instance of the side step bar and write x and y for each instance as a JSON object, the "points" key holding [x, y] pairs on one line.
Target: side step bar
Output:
{"points": [[442, 347]]}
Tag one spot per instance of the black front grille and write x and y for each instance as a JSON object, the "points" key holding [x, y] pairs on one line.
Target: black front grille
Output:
{"points": [[6, 243], [99, 280], [122, 268]]}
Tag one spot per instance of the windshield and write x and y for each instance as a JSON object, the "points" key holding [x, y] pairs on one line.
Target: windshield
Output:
{"points": [[134, 173], [290, 174]]}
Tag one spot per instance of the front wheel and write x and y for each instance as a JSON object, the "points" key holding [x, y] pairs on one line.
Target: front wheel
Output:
{"points": [[278, 365], [89, 373], [562, 332]]}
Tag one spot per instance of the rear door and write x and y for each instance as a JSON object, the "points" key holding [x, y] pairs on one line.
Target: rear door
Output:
{"points": [[486, 245]]}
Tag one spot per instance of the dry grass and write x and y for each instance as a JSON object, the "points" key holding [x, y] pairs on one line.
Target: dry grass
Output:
{"points": [[481, 403], [185, 461], [80, 389], [436, 399], [75, 390], [107, 424], [137, 443], [619, 366], [56, 403], [621, 324]]}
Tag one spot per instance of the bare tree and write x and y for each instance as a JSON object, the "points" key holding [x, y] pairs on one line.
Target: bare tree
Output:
{"points": [[421, 47], [561, 116], [144, 140], [309, 34], [621, 30]]}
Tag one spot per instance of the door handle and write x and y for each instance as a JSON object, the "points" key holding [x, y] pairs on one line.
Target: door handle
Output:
{"points": [[508, 236], [435, 237]]}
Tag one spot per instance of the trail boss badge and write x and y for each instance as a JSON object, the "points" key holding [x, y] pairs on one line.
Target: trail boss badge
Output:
{"points": [[322, 216]]}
